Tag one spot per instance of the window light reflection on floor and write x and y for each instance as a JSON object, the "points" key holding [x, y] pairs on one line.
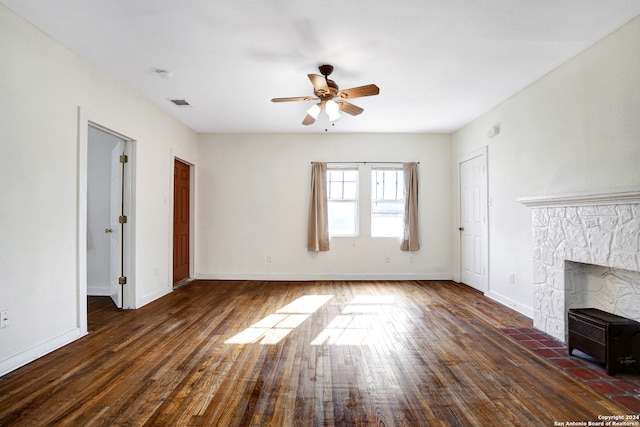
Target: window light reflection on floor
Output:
{"points": [[356, 325], [358, 322], [278, 325]]}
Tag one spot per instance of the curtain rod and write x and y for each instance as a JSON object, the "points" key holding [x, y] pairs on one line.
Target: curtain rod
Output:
{"points": [[364, 163]]}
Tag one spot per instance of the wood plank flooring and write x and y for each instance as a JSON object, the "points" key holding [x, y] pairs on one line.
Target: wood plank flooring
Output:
{"points": [[225, 353]]}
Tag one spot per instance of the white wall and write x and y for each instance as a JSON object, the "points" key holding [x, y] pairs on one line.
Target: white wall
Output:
{"points": [[576, 129], [42, 84], [253, 201]]}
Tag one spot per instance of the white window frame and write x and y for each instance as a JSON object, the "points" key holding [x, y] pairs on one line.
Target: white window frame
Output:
{"points": [[356, 200]]}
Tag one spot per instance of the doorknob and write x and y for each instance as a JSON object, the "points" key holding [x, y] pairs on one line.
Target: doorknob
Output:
{"points": [[108, 230], [461, 228]]}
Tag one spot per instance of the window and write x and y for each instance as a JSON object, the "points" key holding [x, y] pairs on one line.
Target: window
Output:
{"points": [[387, 202], [342, 192]]}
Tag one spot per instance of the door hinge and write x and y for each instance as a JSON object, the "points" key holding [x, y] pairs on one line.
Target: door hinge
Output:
{"points": [[124, 158], [122, 280], [122, 219]]}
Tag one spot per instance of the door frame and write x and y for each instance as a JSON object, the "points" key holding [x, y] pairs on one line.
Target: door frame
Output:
{"points": [[87, 118], [481, 152], [189, 160]]}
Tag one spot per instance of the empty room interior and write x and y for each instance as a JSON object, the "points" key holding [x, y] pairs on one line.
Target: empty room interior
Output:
{"points": [[320, 213]]}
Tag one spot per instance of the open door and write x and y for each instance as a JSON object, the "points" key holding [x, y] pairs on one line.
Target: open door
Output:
{"points": [[116, 226]]}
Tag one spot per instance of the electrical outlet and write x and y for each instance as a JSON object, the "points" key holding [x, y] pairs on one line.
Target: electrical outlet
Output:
{"points": [[387, 259], [412, 259], [4, 319], [268, 258]]}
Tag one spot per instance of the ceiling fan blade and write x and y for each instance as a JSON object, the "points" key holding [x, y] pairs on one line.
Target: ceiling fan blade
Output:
{"points": [[357, 92], [308, 120], [295, 98], [319, 83], [349, 108]]}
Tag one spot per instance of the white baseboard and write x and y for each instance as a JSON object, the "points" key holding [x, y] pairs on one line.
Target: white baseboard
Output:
{"points": [[146, 299], [520, 308], [98, 292], [21, 359], [311, 277]]}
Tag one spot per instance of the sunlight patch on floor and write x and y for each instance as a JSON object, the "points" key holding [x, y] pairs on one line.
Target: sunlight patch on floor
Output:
{"points": [[359, 323], [273, 328]]}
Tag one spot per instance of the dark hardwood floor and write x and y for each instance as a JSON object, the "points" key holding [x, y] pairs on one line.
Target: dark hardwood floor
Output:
{"points": [[388, 353]]}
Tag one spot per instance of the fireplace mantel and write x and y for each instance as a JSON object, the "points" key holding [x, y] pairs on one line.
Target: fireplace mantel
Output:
{"points": [[619, 196]]}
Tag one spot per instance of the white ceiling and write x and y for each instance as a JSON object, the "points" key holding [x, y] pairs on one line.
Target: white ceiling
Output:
{"points": [[439, 63]]}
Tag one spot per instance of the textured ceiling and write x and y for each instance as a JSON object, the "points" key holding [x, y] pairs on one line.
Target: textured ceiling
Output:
{"points": [[439, 64]]}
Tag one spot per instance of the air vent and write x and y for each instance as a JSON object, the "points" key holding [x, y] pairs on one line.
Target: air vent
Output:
{"points": [[180, 102]]}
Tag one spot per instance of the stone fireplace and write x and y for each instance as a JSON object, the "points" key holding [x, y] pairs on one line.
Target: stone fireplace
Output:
{"points": [[586, 253]]}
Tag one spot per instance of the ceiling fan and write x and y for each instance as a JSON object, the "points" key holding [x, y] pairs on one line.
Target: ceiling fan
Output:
{"points": [[325, 91]]}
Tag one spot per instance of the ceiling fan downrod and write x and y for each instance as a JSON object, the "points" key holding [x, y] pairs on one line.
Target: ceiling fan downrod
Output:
{"points": [[326, 70]]}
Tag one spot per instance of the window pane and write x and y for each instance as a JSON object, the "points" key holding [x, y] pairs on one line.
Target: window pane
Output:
{"points": [[390, 185], [350, 175], [387, 204], [387, 208], [350, 190], [343, 202], [376, 185], [335, 175], [335, 190], [342, 218]]}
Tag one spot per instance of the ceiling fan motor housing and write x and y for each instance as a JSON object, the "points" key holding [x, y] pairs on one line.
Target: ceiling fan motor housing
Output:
{"points": [[326, 95], [322, 93]]}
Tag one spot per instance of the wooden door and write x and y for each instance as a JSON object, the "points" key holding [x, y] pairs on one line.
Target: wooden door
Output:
{"points": [[181, 215], [473, 222]]}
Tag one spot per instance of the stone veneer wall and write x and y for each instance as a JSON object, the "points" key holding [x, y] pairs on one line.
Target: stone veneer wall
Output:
{"points": [[606, 235]]}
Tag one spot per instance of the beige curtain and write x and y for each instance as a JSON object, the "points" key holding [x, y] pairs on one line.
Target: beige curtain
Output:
{"points": [[318, 233], [410, 241]]}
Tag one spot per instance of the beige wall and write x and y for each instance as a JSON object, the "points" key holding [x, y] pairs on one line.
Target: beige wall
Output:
{"points": [[253, 199]]}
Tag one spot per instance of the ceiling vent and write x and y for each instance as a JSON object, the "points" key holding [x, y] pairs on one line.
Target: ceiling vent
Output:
{"points": [[180, 102]]}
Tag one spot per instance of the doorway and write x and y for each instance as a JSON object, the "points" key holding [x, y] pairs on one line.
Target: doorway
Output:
{"points": [[124, 241], [181, 221], [105, 175], [474, 226]]}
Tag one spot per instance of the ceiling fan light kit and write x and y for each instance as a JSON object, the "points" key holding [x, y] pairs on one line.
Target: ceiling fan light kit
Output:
{"points": [[325, 90], [314, 111], [333, 110]]}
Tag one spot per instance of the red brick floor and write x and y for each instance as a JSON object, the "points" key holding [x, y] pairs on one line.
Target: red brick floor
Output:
{"points": [[624, 388]]}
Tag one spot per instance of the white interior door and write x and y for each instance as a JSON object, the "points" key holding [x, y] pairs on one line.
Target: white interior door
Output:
{"points": [[473, 222], [116, 228]]}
